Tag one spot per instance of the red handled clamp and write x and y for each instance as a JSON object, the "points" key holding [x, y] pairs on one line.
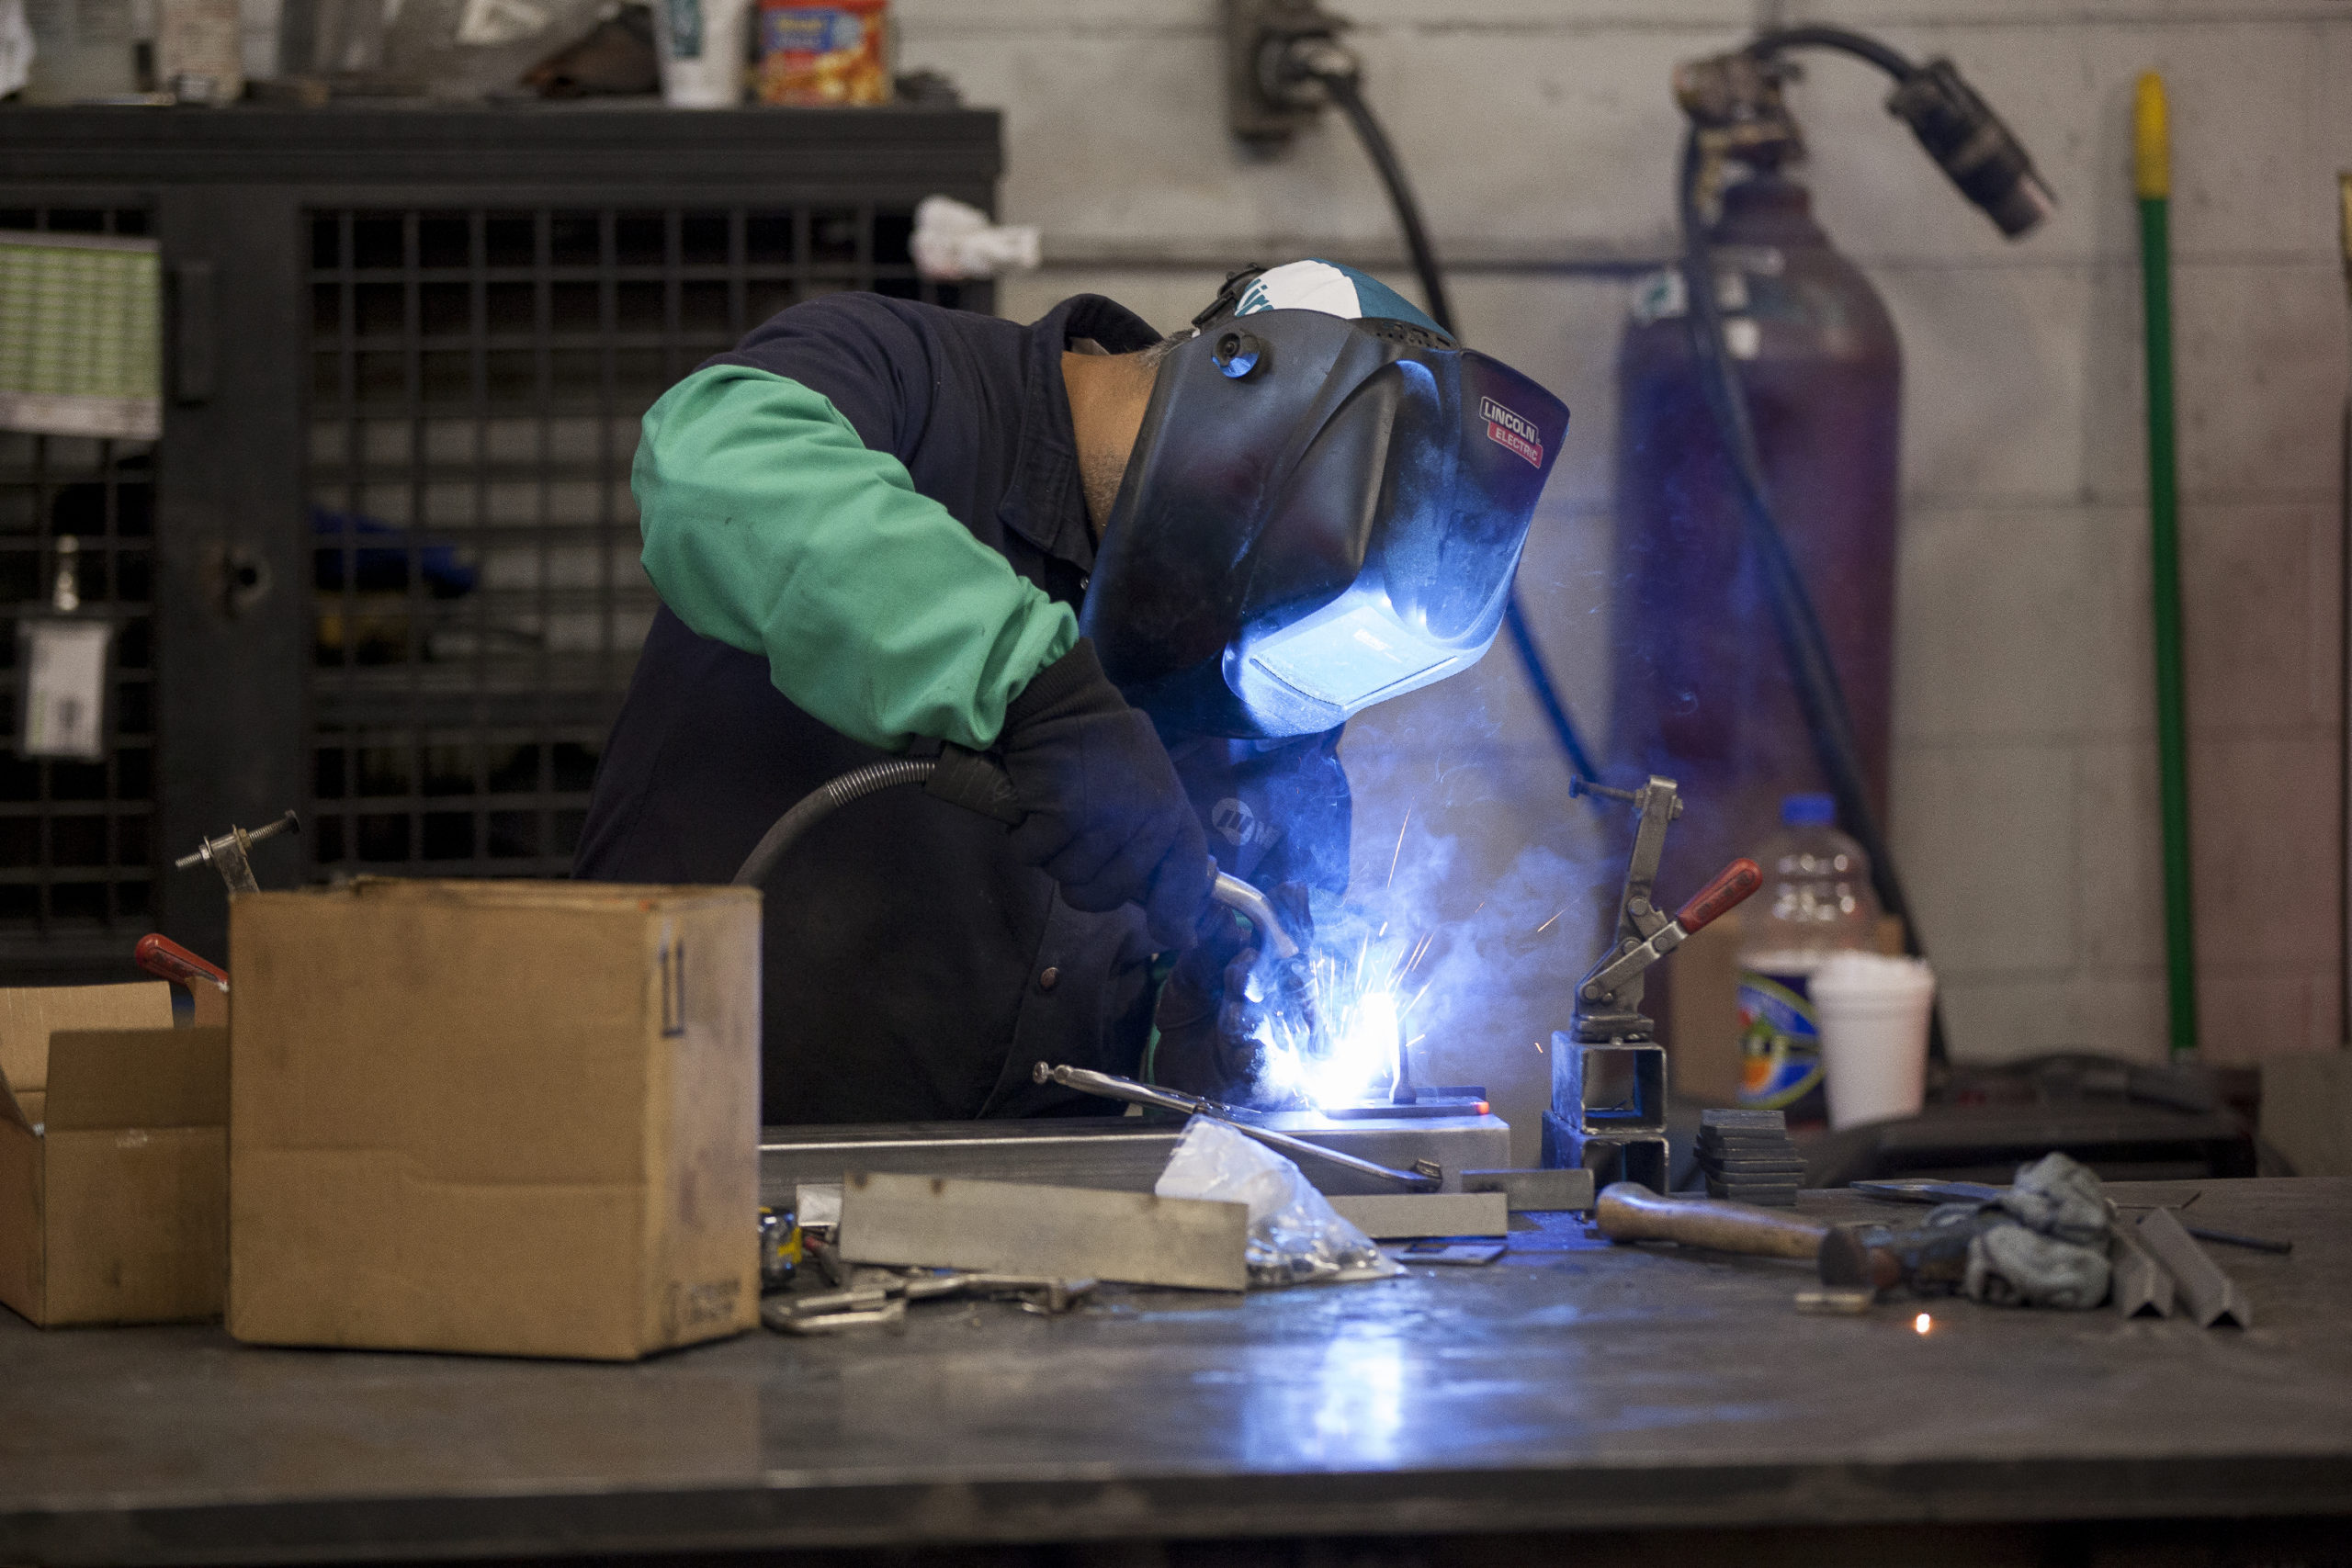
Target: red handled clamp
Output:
{"points": [[167, 960], [1726, 892]]}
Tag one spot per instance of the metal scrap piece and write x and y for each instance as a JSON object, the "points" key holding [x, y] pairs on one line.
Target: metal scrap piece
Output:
{"points": [[1462, 1254], [860, 1299], [1053, 1295], [1043, 1232], [2207, 1293], [1397, 1217], [1831, 1302], [1546, 1192], [890, 1313]]}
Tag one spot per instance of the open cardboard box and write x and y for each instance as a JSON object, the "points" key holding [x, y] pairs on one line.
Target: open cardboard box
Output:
{"points": [[114, 1181]]}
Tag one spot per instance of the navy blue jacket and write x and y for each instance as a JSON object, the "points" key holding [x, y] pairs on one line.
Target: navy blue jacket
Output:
{"points": [[912, 969]]}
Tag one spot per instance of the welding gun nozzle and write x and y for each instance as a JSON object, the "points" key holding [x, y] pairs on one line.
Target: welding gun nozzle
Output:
{"points": [[1247, 901]]}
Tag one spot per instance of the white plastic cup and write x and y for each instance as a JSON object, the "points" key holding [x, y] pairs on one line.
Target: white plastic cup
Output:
{"points": [[1871, 1013], [702, 45]]}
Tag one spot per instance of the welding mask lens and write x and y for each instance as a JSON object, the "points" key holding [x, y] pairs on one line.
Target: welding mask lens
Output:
{"points": [[1337, 528]]}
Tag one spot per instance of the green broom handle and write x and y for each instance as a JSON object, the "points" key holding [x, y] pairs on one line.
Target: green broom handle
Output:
{"points": [[2153, 178]]}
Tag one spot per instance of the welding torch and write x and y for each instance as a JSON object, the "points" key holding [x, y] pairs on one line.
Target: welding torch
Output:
{"points": [[977, 783]]}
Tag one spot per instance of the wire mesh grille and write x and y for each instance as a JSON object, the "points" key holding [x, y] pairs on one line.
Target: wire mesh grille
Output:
{"points": [[477, 380], [76, 855]]}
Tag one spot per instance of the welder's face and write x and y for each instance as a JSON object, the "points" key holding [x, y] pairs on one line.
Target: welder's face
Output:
{"points": [[1335, 525]]}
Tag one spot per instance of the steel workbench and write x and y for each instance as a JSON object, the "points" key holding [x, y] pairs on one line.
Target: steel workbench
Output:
{"points": [[1572, 1389]]}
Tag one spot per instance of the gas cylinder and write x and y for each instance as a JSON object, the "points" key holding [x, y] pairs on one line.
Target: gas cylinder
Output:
{"points": [[1702, 690]]}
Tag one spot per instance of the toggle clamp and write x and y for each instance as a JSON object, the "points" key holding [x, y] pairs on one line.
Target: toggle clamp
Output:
{"points": [[1608, 1111]]}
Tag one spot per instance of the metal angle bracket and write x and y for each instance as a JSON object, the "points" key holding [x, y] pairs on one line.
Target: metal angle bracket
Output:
{"points": [[2209, 1295], [2142, 1287]]}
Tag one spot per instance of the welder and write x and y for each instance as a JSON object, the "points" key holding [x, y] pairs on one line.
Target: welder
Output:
{"points": [[1146, 575]]}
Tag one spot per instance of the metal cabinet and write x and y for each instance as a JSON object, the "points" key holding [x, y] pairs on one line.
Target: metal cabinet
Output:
{"points": [[381, 565]]}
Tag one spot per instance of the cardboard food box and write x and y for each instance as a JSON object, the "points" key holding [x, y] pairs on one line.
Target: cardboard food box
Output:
{"points": [[114, 1182], [519, 1118]]}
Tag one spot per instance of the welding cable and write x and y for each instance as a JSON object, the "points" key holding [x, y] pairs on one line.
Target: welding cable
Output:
{"points": [[1766, 44], [1820, 694], [1348, 92], [822, 802], [1336, 69]]}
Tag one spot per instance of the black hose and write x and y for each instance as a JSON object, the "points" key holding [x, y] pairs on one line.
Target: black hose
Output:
{"points": [[1856, 44], [1539, 676], [822, 802], [1820, 694], [1348, 94]]}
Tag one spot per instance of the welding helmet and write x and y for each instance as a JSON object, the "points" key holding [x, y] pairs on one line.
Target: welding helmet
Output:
{"points": [[1323, 509]]}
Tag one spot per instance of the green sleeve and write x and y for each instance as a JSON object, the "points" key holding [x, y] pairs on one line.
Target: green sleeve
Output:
{"points": [[770, 527]]}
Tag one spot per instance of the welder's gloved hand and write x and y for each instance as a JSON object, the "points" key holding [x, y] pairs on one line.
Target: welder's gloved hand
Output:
{"points": [[1108, 818], [1209, 1029]]}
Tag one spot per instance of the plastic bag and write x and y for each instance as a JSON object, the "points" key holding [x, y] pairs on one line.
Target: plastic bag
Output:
{"points": [[1296, 1236]]}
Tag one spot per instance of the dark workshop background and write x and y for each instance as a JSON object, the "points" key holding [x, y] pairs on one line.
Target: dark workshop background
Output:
{"points": [[1541, 136]]}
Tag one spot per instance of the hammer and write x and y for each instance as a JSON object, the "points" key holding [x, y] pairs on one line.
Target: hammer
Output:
{"points": [[1931, 1257]]}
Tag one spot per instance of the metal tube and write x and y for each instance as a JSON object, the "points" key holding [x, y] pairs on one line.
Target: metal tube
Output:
{"points": [[1112, 1086]]}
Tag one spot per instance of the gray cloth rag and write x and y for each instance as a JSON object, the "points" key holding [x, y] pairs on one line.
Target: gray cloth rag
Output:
{"points": [[2012, 1266], [2060, 1198]]}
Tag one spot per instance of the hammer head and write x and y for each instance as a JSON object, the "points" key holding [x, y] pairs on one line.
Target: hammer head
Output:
{"points": [[1929, 1258]]}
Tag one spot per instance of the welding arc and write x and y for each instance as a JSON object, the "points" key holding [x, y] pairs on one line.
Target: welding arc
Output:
{"points": [[1820, 694], [1345, 91]]}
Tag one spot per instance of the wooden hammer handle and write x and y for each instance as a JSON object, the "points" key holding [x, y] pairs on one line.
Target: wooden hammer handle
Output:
{"points": [[1630, 1212]]}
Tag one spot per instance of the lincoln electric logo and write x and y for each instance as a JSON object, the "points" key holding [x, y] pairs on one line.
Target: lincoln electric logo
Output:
{"points": [[1507, 429]]}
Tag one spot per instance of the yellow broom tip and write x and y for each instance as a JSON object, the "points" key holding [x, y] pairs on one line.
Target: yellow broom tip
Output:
{"points": [[2150, 138]]}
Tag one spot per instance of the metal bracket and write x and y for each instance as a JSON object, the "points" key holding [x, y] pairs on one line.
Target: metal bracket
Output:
{"points": [[1616, 1014], [230, 854], [1622, 1136]]}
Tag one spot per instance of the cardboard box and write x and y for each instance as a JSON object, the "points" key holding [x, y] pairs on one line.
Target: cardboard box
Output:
{"points": [[511, 1117], [114, 1183]]}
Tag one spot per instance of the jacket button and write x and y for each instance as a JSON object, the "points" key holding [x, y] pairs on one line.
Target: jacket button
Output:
{"points": [[1049, 978]]}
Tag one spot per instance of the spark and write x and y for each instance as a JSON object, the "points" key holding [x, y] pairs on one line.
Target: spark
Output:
{"points": [[1921, 1323], [1416, 1040], [1400, 847], [1417, 997], [1383, 931], [1539, 1047], [1547, 925]]}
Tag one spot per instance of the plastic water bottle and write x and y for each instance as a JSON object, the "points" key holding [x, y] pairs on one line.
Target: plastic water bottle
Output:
{"points": [[1816, 901]]}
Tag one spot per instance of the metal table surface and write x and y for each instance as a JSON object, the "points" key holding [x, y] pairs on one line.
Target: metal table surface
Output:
{"points": [[1574, 1386]]}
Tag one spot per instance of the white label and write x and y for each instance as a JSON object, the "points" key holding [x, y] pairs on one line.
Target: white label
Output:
{"points": [[65, 688]]}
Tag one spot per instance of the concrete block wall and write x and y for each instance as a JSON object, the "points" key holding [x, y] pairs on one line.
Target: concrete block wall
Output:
{"points": [[1542, 137]]}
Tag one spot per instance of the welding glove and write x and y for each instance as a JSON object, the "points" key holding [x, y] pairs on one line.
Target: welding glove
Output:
{"points": [[1108, 818], [1209, 1028]]}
